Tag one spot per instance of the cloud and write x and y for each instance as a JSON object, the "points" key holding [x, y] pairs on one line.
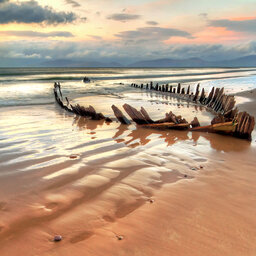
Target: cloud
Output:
{"points": [[32, 12], [73, 3], [28, 33], [246, 25], [203, 15], [149, 34], [109, 51], [123, 17], [95, 37], [152, 23]]}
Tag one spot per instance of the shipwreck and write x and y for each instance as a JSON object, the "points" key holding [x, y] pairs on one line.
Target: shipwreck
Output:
{"points": [[228, 120]]}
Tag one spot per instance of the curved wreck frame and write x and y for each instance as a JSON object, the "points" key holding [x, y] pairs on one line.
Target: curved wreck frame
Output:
{"points": [[227, 119]]}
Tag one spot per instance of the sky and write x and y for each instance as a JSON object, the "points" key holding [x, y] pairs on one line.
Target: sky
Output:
{"points": [[41, 31]]}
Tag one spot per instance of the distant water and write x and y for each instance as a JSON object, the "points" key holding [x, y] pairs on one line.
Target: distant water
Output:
{"points": [[33, 86]]}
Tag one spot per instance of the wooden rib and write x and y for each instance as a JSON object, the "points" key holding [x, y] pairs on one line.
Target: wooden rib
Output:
{"points": [[214, 97], [210, 96], [119, 115], [251, 126], [146, 115], [188, 90], [178, 88], [202, 97], [195, 122], [196, 93], [169, 117], [136, 116]]}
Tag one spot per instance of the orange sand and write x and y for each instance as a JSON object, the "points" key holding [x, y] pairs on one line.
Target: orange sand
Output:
{"points": [[91, 182]]}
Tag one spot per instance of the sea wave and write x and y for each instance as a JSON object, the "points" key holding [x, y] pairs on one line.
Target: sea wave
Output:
{"points": [[34, 86]]}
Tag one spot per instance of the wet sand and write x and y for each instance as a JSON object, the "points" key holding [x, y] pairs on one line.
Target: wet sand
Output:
{"points": [[164, 192]]}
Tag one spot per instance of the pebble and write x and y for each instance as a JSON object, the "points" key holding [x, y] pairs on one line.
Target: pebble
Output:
{"points": [[193, 169], [120, 237], [151, 201], [73, 156], [57, 238], [185, 176]]}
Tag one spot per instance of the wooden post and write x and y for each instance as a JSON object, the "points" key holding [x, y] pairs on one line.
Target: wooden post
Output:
{"points": [[210, 96], [196, 93], [188, 90], [202, 97], [178, 88]]}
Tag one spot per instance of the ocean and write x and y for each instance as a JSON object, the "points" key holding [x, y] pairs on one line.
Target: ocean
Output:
{"points": [[33, 86]]}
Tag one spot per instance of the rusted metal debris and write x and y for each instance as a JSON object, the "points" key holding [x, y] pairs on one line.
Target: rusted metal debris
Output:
{"points": [[227, 120]]}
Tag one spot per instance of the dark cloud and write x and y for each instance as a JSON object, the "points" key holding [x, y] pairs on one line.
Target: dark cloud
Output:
{"points": [[95, 37], [203, 15], [123, 17], [83, 19], [73, 3], [152, 23], [149, 34], [37, 34], [235, 25], [32, 12], [118, 51]]}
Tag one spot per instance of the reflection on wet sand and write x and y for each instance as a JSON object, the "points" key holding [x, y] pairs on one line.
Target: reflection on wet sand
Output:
{"points": [[141, 136], [57, 179]]}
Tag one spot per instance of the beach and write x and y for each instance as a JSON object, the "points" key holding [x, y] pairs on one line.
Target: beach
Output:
{"points": [[111, 189]]}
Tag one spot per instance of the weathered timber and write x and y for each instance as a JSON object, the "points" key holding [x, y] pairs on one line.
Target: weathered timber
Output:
{"points": [[188, 90], [196, 93], [210, 96], [202, 97], [77, 109], [195, 122], [210, 104], [146, 115], [169, 117], [228, 121], [218, 98], [178, 88], [119, 115], [168, 125], [222, 128], [135, 115]]}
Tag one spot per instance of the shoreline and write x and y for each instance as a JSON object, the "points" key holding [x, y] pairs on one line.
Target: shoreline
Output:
{"points": [[91, 182]]}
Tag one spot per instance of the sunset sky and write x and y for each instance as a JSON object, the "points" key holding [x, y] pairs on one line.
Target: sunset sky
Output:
{"points": [[125, 31]]}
